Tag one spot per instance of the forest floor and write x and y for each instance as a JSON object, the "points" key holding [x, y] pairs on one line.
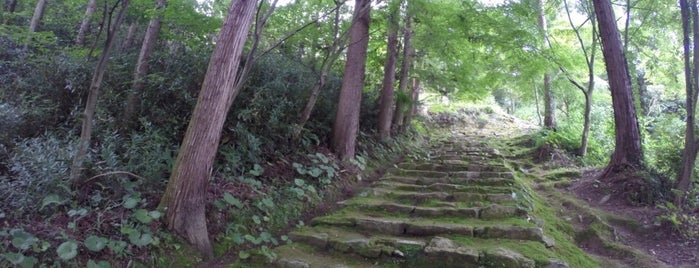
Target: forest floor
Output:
{"points": [[424, 212]]}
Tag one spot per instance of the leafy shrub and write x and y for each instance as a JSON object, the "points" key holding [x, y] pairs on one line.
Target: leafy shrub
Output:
{"points": [[38, 167]]}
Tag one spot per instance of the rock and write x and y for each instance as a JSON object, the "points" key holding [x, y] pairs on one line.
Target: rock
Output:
{"points": [[499, 212], [292, 263], [605, 199], [549, 242], [319, 240], [443, 252], [510, 232], [437, 229], [385, 226], [502, 257], [554, 263]]}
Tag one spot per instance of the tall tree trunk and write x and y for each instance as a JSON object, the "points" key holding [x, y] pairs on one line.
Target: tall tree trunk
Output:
{"points": [[414, 101], [85, 24], [10, 6], [690, 27], [142, 65], [389, 76], [130, 36], [404, 70], [36, 20], [91, 104], [549, 102], [536, 98], [346, 122], [590, 60], [627, 151], [333, 53], [185, 195]]}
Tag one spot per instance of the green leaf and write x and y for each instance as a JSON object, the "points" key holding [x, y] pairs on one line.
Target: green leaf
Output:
{"points": [[21, 239], [100, 264], [256, 219], [315, 172], [117, 246], [14, 258], [130, 202], [142, 216], [51, 199], [95, 243], [257, 170], [238, 239], [139, 239], [155, 214], [243, 255], [299, 182], [67, 250], [230, 199], [268, 202]]}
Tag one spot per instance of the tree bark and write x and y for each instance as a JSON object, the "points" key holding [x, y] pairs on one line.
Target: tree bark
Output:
{"points": [[91, 104], [414, 97], [185, 195], [404, 71], [389, 77], [590, 60], [130, 36], [36, 20], [85, 24], [10, 6], [142, 66], [690, 27], [549, 102], [346, 122], [331, 56], [627, 151]]}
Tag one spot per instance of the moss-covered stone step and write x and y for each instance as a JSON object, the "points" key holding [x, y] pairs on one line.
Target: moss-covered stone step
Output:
{"points": [[410, 196], [443, 187], [450, 180], [391, 251], [300, 255], [430, 227], [349, 241], [453, 165], [492, 211]]}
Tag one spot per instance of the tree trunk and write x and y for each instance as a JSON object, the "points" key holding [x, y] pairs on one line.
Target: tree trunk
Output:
{"points": [[132, 100], [690, 26], [130, 36], [536, 99], [10, 6], [333, 53], [36, 19], [590, 60], [346, 122], [627, 151], [91, 104], [85, 24], [549, 103], [404, 71], [414, 97], [185, 195], [389, 77]]}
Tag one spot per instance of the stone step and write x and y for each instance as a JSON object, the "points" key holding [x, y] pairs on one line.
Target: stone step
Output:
{"points": [[443, 187], [418, 197], [453, 166], [432, 227], [493, 211], [349, 241], [299, 255], [449, 180], [418, 173]]}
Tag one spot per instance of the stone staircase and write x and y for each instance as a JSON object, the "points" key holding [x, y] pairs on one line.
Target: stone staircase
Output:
{"points": [[459, 208]]}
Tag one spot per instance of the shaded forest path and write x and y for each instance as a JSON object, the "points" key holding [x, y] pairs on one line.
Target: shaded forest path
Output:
{"points": [[460, 205], [471, 199]]}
